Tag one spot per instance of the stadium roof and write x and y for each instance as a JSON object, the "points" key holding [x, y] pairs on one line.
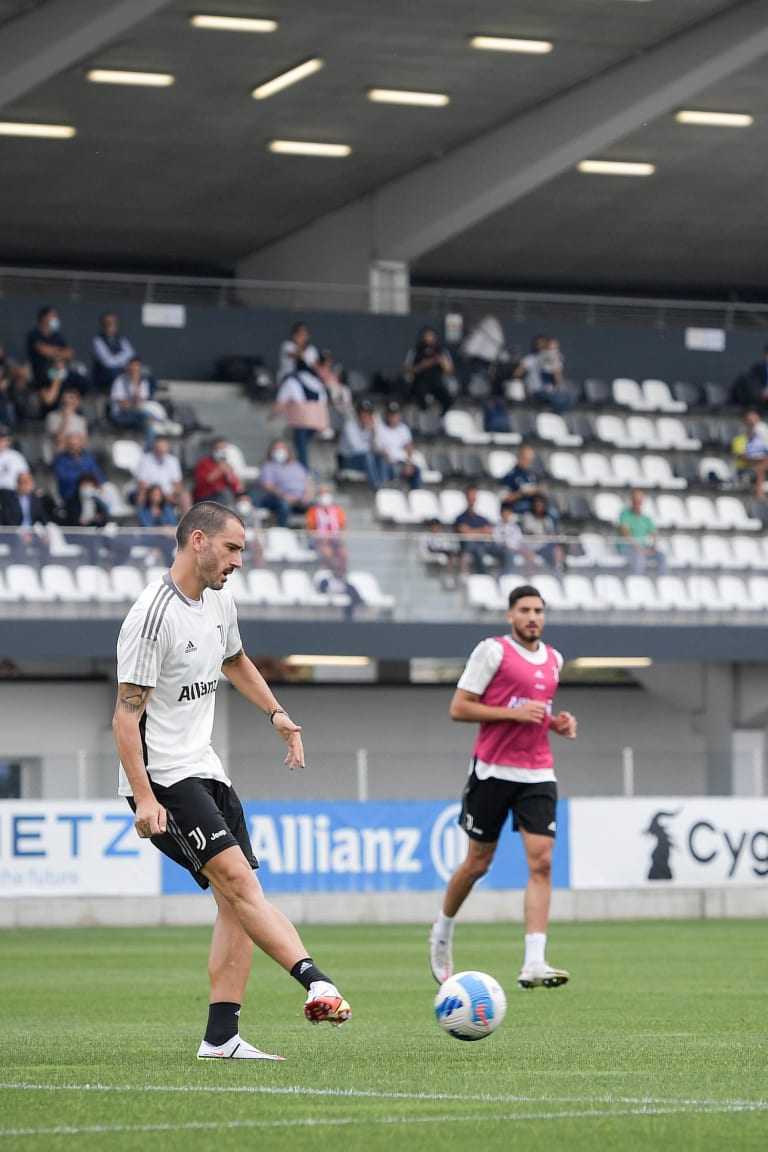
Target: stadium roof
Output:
{"points": [[483, 189]]}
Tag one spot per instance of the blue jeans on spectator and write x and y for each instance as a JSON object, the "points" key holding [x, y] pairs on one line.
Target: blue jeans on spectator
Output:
{"points": [[280, 508], [391, 472], [368, 462], [301, 439]]}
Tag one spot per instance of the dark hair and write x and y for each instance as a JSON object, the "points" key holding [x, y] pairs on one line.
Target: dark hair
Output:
{"points": [[46, 308], [206, 516], [522, 591]]}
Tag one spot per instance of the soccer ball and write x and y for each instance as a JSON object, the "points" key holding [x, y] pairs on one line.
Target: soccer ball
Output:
{"points": [[470, 1005]]}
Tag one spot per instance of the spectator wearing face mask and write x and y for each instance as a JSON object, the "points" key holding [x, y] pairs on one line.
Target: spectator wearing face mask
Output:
{"points": [[326, 524], [51, 355], [285, 486], [215, 478]]}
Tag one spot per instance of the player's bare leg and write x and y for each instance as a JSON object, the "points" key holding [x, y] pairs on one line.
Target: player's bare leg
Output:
{"points": [[229, 958], [474, 866], [270, 929], [536, 973]]}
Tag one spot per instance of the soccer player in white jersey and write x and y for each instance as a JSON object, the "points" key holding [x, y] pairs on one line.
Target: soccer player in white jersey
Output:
{"points": [[175, 641], [507, 687]]}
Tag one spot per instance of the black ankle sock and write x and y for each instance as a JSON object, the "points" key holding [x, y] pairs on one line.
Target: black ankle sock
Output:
{"points": [[223, 1022], [306, 973]]}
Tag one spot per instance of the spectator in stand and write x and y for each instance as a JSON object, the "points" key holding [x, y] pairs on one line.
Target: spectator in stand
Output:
{"points": [[159, 514], [296, 352], [49, 352], [393, 440], [427, 368], [69, 466], [637, 540], [439, 545], [326, 524], [12, 463], [8, 414], [65, 419], [160, 466], [357, 445], [49, 394], [215, 478], [750, 452], [340, 401], [303, 401], [112, 352], [26, 510], [475, 535], [18, 402], [542, 371], [508, 542], [540, 529], [131, 404], [254, 534], [286, 487], [524, 482]]}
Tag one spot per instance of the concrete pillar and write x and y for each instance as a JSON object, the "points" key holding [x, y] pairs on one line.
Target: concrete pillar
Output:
{"points": [[748, 760], [718, 722]]}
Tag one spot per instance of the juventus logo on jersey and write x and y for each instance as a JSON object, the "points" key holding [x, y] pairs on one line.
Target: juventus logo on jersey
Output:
{"points": [[197, 838]]}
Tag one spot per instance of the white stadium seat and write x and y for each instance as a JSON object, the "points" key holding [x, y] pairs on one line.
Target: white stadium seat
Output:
{"points": [[657, 473], [731, 513], [60, 582], [611, 429], [423, 505], [552, 427], [658, 397], [461, 425], [500, 463], [392, 506], [483, 592], [286, 546], [628, 393], [367, 587]]}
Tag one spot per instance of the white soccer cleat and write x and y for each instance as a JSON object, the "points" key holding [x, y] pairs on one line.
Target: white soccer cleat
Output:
{"points": [[324, 1004], [440, 956], [234, 1049], [542, 976]]}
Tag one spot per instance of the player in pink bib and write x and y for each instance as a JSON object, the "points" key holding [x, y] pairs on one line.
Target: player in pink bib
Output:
{"points": [[507, 687]]}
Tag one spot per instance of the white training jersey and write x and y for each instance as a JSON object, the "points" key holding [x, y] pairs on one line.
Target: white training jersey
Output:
{"points": [[176, 647]]}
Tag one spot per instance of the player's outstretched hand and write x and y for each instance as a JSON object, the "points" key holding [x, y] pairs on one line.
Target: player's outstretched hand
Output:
{"points": [[291, 733], [564, 724]]}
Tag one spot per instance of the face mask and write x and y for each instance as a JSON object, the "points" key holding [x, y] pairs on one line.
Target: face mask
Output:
{"points": [[325, 498], [220, 454], [280, 455], [86, 492], [54, 324], [54, 373], [244, 507]]}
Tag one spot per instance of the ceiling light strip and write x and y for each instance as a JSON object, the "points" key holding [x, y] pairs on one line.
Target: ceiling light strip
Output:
{"points": [[232, 23], [510, 44], [397, 96], [308, 148], [616, 168], [286, 79], [715, 119], [37, 131], [137, 79]]}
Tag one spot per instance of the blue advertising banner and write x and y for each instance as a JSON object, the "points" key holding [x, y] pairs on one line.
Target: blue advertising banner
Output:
{"points": [[373, 847]]}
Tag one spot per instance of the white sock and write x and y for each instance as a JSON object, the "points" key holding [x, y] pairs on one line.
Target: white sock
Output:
{"points": [[444, 927], [535, 945]]}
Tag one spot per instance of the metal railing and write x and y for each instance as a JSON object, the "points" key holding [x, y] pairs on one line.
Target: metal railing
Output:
{"points": [[511, 306]]}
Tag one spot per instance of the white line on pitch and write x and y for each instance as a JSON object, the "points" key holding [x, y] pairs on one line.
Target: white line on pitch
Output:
{"points": [[370, 1094], [346, 1121]]}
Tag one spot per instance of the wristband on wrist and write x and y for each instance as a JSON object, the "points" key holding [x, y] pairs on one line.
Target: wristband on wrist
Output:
{"points": [[276, 712]]}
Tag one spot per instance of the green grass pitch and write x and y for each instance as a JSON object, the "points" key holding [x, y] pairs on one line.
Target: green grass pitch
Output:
{"points": [[659, 1042]]}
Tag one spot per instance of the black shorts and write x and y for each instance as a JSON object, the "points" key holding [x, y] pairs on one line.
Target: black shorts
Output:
{"points": [[204, 818], [485, 805]]}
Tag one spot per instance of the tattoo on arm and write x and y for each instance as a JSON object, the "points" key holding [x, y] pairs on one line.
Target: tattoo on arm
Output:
{"points": [[132, 697], [232, 659]]}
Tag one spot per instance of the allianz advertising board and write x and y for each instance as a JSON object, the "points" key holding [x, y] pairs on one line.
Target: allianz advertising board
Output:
{"points": [[373, 847]]}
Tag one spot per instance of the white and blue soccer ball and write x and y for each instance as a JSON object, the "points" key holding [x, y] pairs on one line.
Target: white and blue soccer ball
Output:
{"points": [[470, 1005]]}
